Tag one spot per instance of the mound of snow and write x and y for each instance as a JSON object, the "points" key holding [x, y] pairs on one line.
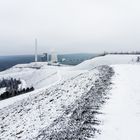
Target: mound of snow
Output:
{"points": [[37, 75], [24, 119], [106, 60]]}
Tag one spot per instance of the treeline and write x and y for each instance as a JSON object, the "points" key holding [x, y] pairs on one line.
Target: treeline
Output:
{"points": [[9, 94], [12, 83], [12, 88]]}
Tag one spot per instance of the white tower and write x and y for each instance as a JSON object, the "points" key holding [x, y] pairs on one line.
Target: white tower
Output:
{"points": [[36, 59]]}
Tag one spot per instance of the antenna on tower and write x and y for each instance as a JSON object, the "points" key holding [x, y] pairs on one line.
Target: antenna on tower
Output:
{"points": [[36, 59]]}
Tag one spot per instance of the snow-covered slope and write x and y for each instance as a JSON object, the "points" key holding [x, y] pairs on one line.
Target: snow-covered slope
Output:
{"points": [[37, 75], [41, 75], [26, 118], [107, 60], [68, 102]]}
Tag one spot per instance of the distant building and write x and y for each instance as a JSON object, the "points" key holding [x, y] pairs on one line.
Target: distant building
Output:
{"points": [[52, 59], [45, 57]]}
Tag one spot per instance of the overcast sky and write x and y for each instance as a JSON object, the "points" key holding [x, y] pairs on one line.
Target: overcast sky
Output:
{"points": [[69, 26]]}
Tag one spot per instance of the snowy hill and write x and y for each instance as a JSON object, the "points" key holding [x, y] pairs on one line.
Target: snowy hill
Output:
{"points": [[26, 118], [41, 75], [37, 75], [79, 102], [107, 60]]}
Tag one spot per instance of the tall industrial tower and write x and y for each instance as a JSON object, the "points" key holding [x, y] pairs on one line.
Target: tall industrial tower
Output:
{"points": [[36, 59]]}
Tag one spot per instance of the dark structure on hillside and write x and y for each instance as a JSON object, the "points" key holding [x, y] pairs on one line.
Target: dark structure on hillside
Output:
{"points": [[45, 57]]}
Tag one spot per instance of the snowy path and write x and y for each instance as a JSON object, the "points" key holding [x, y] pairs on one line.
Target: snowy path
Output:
{"points": [[122, 112]]}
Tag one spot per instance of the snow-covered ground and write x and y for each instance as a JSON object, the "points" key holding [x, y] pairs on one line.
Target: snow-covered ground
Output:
{"points": [[121, 119], [24, 119], [78, 102], [107, 60], [39, 75]]}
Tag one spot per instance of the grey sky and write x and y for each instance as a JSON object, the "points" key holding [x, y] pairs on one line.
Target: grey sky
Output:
{"points": [[68, 26]]}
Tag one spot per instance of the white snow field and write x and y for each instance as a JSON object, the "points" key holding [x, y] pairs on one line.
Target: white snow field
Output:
{"points": [[24, 119], [75, 103], [39, 75]]}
